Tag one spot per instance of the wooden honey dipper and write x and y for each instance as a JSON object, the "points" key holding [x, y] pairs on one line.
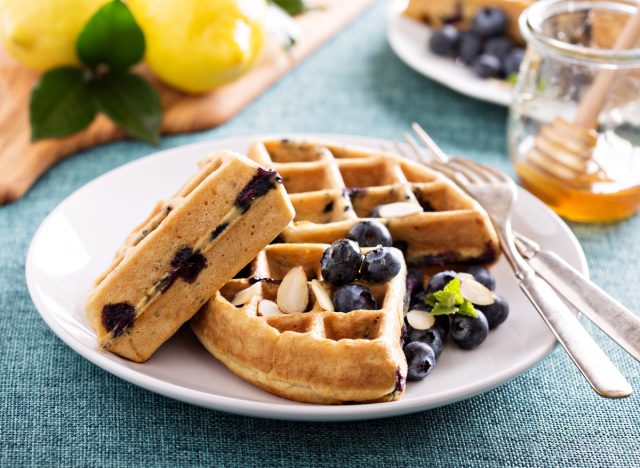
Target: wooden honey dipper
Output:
{"points": [[565, 149]]}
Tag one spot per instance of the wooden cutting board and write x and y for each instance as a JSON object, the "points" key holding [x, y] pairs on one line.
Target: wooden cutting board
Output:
{"points": [[23, 162]]}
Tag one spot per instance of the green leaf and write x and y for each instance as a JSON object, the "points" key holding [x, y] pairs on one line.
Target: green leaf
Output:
{"points": [[60, 104], [131, 103], [111, 37], [453, 287], [430, 299], [445, 298], [293, 7], [466, 308], [441, 309]]}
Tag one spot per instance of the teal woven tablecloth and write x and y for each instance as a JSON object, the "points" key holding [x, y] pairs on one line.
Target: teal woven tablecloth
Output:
{"points": [[56, 408]]}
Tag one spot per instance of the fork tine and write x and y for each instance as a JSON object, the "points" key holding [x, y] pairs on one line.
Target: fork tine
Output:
{"points": [[416, 148], [472, 174], [429, 143]]}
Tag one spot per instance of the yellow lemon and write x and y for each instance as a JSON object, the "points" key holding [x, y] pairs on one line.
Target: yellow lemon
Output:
{"points": [[41, 34], [198, 45]]}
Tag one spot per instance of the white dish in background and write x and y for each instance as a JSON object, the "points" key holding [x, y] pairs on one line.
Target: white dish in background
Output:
{"points": [[409, 39], [78, 239]]}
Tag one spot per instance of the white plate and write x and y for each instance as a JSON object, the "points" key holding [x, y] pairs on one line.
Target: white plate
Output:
{"points": [[77, 240], [409, 39]]}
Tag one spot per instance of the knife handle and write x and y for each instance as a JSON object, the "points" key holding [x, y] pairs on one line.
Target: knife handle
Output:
{"points": [[622, 325], [596, 367]]}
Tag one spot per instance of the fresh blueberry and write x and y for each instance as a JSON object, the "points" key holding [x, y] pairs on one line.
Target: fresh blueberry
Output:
{"points": [[445, 41], [487, 66], [498, 47], [469, 332], [417, 302], [350, 297], [440, 280], [379, 265], [470, 47], [483, 276], [341, 262], [429, 337], [511, 63], [414, 282], [370, 234], [489, 22], [495, 313], [375, 212], [442, 325], [420, 360]]}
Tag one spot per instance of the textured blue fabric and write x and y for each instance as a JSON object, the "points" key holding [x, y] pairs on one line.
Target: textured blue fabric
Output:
{"points": [[58, 409]]}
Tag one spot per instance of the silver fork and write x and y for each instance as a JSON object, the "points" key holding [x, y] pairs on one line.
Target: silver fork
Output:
{"points": [[496, 192]]}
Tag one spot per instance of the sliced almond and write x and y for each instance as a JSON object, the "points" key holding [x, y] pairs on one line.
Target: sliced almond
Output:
{"points": [[398, 210], [475, 292], [322, 296], [293, 293], [465, 276], [243, 297], [420, 320], [267, 308]]}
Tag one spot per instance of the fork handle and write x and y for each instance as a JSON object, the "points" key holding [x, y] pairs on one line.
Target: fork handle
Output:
{"points": [[596, 367]]}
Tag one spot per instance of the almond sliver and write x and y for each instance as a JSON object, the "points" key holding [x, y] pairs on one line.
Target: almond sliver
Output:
{"points": [[293, 293], [420, 320], [322, 296], [399, 210], [243, 297], [267, 308], [475, 292]]}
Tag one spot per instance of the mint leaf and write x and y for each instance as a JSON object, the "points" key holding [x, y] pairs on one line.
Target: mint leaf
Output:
{"points": [[292, 7], [430, 299], [466, 308], [453, 287], [441, 309], [60, 104], [131, 103], [111, 37], [512, 78], [446, 298]]}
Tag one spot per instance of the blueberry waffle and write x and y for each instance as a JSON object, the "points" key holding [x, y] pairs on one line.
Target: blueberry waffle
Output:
{"points": [[335, 344], [189, 247], [332, 187]]}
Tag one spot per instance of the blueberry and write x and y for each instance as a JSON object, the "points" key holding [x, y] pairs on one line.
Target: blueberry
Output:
{"points": [[495, 313], [414, 282], [370, 234], [499, 47], [487, 66], [420, 360], [442, 325], [482, 276], [380, 265], [445, 41], [469, 332], [375, 212], [429, 337], [417, 302], [341, 262], [440, 280], [511, 63], [470, 47], [489, 22], [350, 297]]}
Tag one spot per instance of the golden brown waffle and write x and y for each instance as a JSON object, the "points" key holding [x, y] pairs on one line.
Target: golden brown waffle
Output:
{"points": [[333, 186], [314, 356], [184, 252]]}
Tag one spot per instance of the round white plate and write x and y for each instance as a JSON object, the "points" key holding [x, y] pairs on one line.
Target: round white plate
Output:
{"points": [[77, 240], [409, 39]]}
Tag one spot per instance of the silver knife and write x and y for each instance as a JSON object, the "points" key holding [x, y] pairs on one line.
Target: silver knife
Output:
{"points": [[622, 325]]}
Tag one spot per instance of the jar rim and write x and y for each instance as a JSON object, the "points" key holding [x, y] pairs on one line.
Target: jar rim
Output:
{"points": [[533, 18]]}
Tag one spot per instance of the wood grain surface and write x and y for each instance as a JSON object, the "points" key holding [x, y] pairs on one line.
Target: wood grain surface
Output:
{"points": [[23, 162]]}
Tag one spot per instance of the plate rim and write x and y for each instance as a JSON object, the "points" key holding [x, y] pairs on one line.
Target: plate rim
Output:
{"points": [[292, 411], [394, 16]]}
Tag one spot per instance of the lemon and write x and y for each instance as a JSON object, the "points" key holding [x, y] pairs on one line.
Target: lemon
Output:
{"points": [[198, 45], [41, 34]]}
